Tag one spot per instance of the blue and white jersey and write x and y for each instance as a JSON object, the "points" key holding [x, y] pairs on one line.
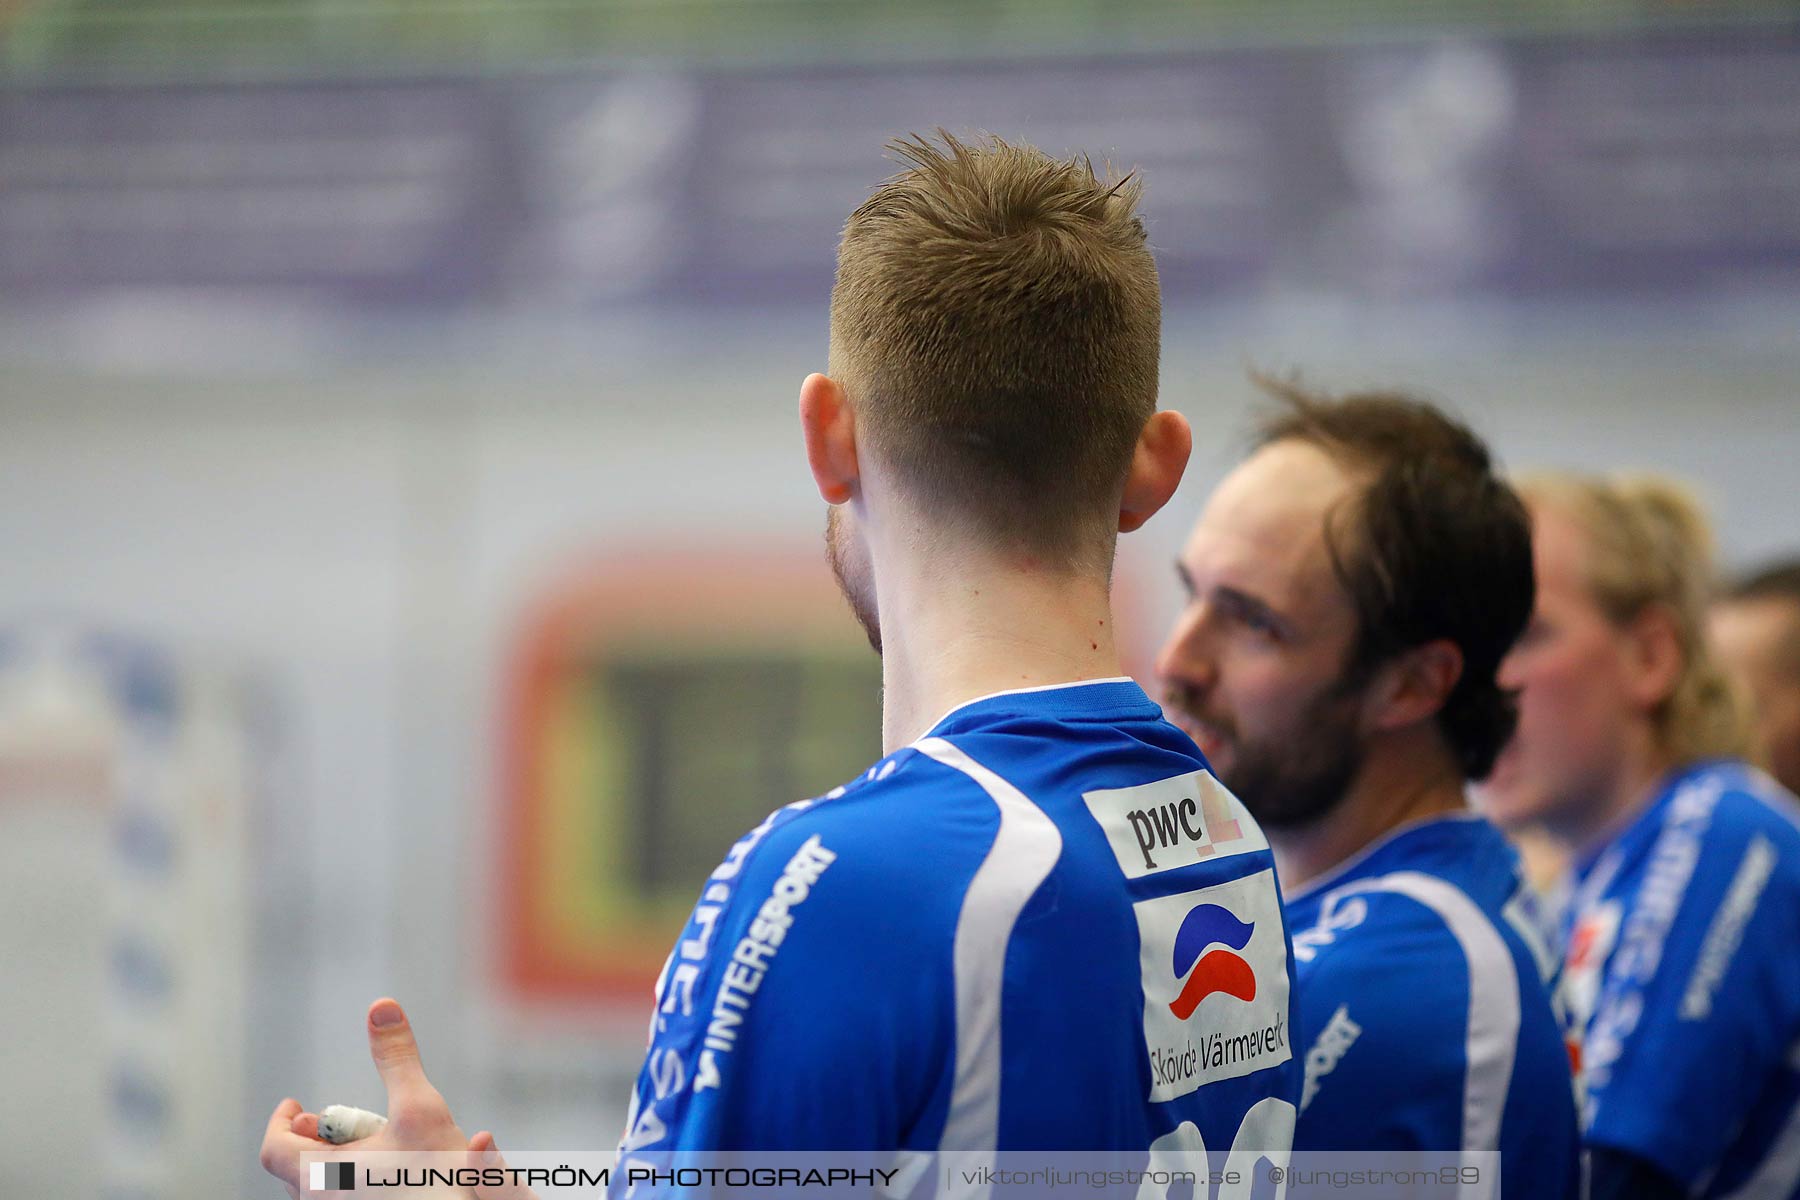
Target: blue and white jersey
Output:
{"points": [[1427, 1019], [1042, 926], [1683, 978]]}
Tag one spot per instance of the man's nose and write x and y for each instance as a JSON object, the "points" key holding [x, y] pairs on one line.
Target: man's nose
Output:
{"points": [[1508, 675], [1186, 657]]}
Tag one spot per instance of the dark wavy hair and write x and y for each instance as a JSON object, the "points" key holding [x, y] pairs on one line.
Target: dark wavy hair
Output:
{"points": [[1435, 545]]}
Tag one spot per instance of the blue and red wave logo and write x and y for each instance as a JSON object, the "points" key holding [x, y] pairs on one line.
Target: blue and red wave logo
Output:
{"points": [[1221, 970]]}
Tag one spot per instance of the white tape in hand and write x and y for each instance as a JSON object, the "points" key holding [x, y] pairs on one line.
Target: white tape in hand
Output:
{"points": [[339, 1123]]}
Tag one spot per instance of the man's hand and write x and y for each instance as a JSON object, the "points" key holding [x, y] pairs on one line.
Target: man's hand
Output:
{"points": [[418, 1118], [487, 1154]]}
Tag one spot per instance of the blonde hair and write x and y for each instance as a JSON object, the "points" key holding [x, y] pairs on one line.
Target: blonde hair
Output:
{"points": [[1650, 546], [997, 321]]}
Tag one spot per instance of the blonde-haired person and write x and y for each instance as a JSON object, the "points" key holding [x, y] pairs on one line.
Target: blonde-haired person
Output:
{"points": [[1682, 921]]}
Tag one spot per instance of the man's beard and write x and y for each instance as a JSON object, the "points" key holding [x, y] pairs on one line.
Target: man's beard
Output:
{"points": [[852, 577], [1300, 780]]}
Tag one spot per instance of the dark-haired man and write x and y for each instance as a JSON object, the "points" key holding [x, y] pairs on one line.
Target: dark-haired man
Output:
{"points": [[1352, 587], [1756, 631]]}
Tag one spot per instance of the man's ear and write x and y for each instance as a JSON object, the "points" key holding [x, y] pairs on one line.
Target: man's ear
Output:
{"points": [[1416, 685], [1156, 468], [1653, 657], [829, 428]]}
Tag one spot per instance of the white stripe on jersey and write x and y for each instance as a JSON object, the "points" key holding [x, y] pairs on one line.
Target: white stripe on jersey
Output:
{"points": [[1024, 852], [1780, 801], [1524, 922], [1493, 1035]]}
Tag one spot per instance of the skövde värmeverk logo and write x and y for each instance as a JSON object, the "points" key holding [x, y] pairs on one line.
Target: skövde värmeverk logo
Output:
{"points": [[1206, 957]]}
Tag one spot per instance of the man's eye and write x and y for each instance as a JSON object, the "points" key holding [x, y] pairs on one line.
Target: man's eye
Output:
{"points": [[1260, 623]]}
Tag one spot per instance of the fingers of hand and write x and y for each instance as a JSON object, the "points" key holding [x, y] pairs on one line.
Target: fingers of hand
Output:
{"points": [[280, 1149], [484, 1153], [284, 1114], [396, 1055], [307, 1125]]}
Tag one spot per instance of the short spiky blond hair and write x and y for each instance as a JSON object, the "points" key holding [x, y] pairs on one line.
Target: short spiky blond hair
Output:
{"points": [[996, 322]]}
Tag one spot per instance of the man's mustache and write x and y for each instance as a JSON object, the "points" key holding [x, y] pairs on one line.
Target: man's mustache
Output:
{"points": [[1186, 701]]}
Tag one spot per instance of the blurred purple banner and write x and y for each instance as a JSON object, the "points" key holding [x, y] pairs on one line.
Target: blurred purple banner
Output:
{"points": [[1666, 165]]}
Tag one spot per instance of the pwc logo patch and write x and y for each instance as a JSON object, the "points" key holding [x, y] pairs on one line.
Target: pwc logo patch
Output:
{"points": [[1174, 823], [1214, 968], [1208, 971]]}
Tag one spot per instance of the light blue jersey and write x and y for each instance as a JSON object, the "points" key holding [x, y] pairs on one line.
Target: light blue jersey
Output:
{"points": [[1683, 977], [1042, 926], [1427, 1019]]}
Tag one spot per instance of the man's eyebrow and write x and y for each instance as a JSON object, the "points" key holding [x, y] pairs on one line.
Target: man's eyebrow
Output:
{"points": [[1251, 605], [1235, 599]]}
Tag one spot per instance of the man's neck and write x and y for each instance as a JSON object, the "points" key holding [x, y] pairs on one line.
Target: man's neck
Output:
{"points": [[1411, 777], [1000, 626]]}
